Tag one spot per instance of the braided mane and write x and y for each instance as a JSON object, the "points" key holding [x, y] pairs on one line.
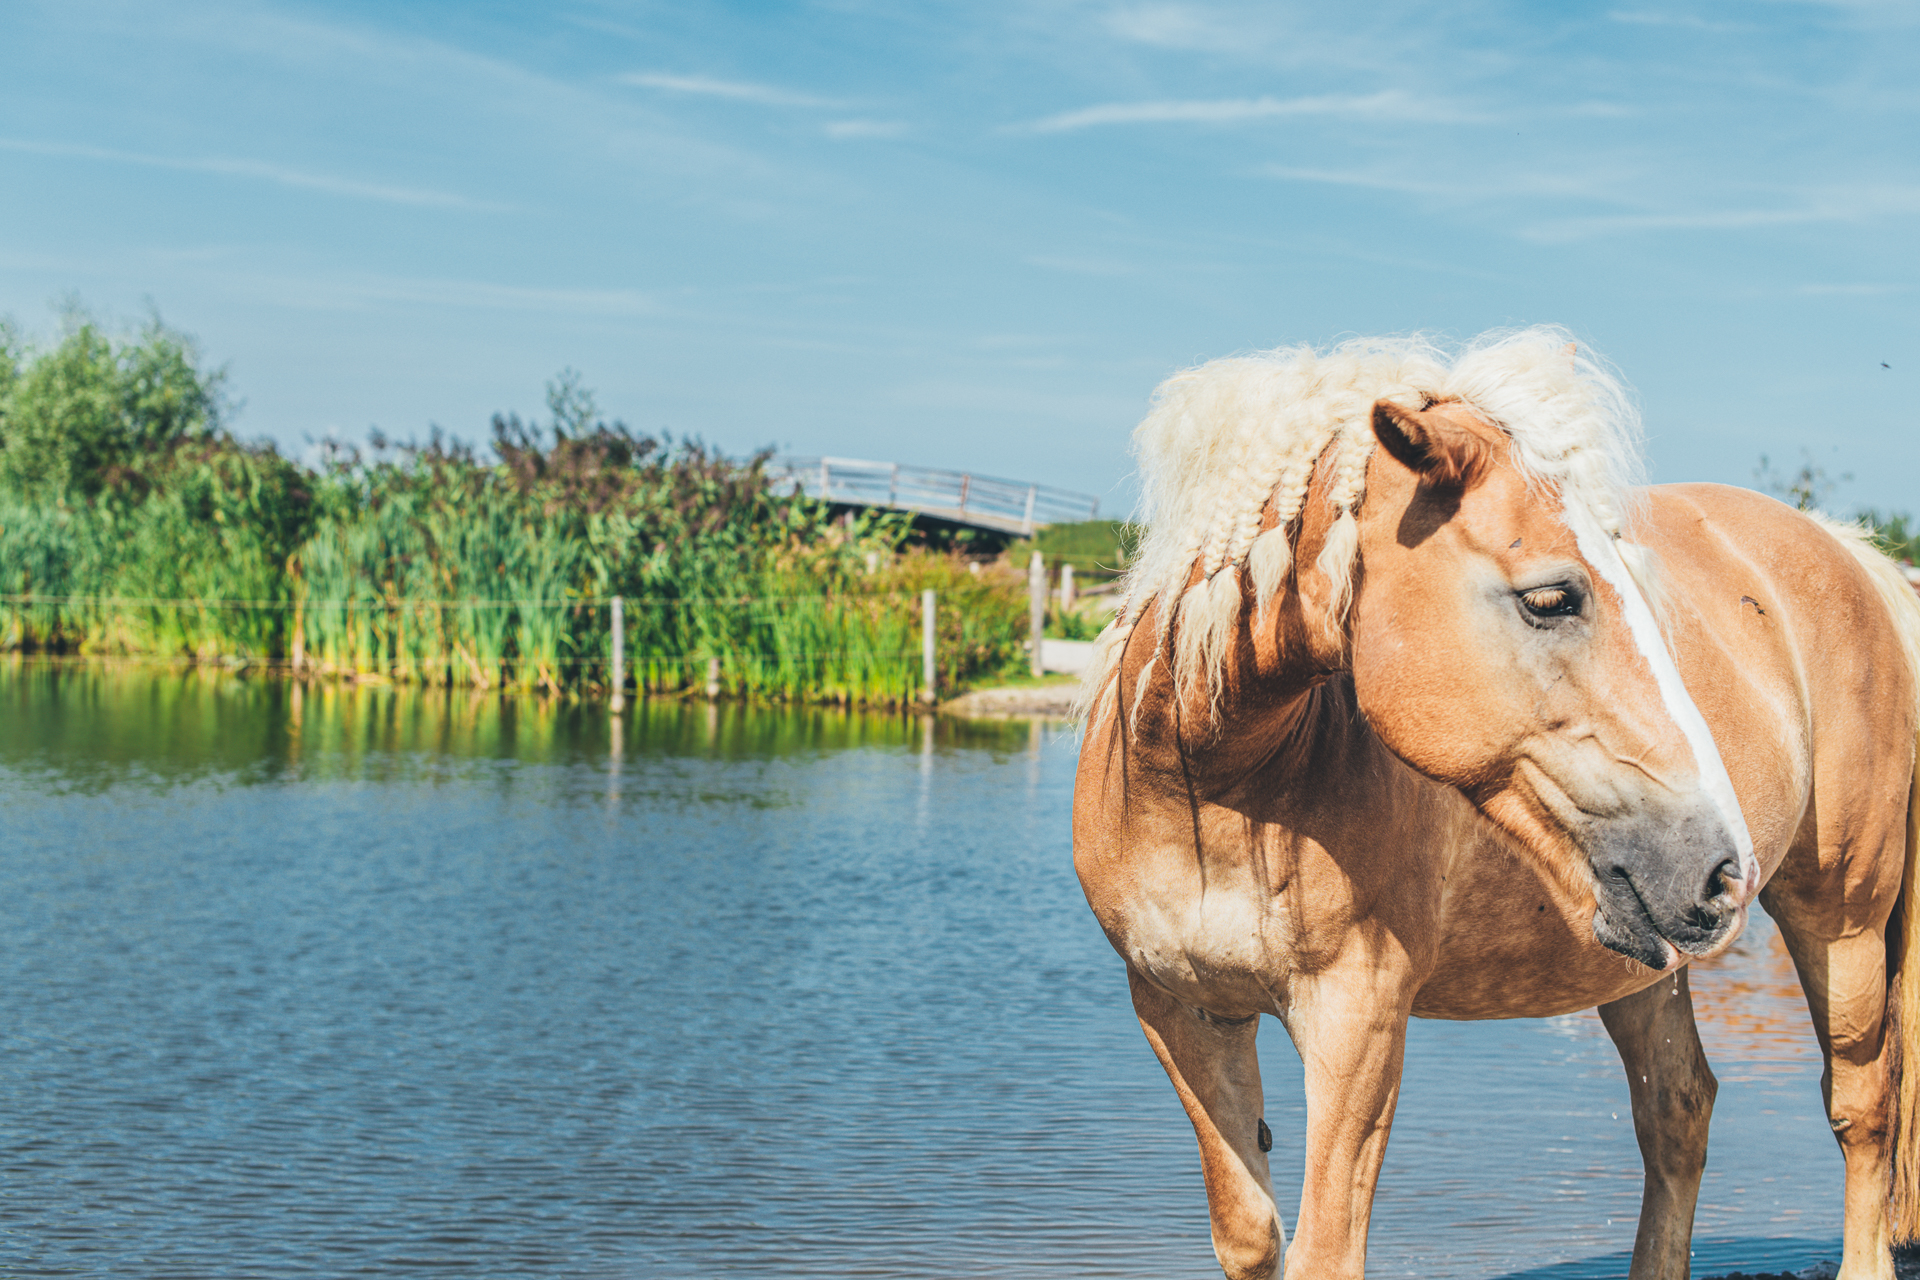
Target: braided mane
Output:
{"points": [[1224, 439]]}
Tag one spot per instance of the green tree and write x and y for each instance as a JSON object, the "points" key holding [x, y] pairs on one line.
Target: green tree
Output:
{"points": [[1806, 489], [71, 416], [1897, 532]]}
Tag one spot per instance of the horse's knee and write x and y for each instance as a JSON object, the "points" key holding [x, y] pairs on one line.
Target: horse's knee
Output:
{"points": [[1672, 1113], [1862, 1115], [1859, 1087], [1688, 1103]]}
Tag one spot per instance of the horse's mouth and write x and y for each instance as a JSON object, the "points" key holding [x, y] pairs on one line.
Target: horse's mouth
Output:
{"points": [[1623, 923], [1640, 941]]}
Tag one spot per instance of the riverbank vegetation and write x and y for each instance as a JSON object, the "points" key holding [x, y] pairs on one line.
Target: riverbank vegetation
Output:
{"points": [[134, 522]]}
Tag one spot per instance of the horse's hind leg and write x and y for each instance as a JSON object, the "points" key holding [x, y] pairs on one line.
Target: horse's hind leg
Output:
{"points": [[1216, 1073], [1672, 1090]]}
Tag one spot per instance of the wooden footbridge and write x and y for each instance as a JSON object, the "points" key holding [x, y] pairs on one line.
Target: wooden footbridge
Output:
{"points": [[957, 497]]}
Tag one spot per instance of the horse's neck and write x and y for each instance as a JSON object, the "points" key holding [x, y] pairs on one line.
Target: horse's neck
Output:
{"points": [[1274, 721]]}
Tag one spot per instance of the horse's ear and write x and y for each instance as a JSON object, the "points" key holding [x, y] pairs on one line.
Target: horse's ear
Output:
{"points": [[1426, 442]]}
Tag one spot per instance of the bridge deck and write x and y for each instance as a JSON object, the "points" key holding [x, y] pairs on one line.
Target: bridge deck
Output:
{"points": [[959, 497]]}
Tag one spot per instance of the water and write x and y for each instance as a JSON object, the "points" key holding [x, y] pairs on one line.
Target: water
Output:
{"points": [[367, 982]]}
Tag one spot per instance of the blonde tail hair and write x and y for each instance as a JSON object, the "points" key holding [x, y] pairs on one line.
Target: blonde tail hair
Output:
{"points": [[1906, 1130]]}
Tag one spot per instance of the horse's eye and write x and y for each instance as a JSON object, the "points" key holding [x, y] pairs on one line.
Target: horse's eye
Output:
{"points": [[1551, 602]]}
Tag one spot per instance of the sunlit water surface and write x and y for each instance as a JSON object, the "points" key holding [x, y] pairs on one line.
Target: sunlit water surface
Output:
{"points": [[353, 982]]}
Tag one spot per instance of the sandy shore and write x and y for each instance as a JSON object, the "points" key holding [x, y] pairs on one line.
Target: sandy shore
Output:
{"points": [[1052, 701]]}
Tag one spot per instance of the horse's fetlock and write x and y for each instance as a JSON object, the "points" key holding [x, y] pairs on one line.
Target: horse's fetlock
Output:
{"points": [[1250, 1258]]}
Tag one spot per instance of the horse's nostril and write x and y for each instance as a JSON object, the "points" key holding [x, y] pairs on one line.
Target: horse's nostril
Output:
{"points": [[1705, 919], [1723, 879]]}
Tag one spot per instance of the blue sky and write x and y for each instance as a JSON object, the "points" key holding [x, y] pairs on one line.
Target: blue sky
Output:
{"points": [[976, 235]]}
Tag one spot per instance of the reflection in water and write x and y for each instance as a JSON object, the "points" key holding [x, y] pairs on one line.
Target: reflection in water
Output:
{"points": [[1752, 1016], [194, 722], [337, 980]]}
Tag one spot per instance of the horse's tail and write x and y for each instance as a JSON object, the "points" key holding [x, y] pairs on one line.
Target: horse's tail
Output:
{"points": [[1906, 961], [1903, 950]]}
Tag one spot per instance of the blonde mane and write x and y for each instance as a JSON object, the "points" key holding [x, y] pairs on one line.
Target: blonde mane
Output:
{"points": [[1225, 439]]}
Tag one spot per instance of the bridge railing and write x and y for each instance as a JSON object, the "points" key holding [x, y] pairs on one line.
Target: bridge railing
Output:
{"points": [[960, 496]]}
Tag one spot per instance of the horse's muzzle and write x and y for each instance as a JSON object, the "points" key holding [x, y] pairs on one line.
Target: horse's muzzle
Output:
{"points": [[1660, 878]]}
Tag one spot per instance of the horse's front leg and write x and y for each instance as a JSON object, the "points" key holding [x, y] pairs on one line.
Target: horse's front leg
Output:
{"points": [[1672, 1090], [1350, 1026], [1216, 1072]]}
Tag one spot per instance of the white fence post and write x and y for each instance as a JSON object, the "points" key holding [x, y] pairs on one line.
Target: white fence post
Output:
{"points": [[929, 673], [1037, 607], [619, 656]]}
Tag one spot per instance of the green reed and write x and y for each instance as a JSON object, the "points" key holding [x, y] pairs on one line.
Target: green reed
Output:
{"points": [[430, 566]]}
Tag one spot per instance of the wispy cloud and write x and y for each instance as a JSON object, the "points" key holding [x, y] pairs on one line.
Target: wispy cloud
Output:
{"points": [[737, 90], [1617, 200], [1852, 290], [867, 129], [360, 291], [1468, 187], [1172, 26], [1825, 206], [1686, 20], [1390, 104], [260, 170], [1080, 266], [1371, 181]]}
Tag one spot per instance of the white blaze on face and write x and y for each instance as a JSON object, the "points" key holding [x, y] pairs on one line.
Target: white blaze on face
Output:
{"points": [[1600, 551]]}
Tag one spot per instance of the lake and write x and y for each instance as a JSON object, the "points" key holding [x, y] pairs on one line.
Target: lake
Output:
{"points": [[360, 981]]}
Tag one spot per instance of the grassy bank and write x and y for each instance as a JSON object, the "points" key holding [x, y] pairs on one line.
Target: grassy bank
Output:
{"points": [[133, 522]]}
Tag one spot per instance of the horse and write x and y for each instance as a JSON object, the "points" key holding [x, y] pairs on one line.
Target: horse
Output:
{"points": [[1419, 703]]}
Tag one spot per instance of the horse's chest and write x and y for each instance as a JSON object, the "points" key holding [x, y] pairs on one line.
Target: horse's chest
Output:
{"points": [[1213, 938]]}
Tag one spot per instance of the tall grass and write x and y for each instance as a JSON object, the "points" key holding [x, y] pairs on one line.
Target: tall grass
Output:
{"points": [[430, 565]]}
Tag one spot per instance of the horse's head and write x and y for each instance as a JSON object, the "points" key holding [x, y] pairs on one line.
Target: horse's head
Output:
{"points": [[1501, 644]]}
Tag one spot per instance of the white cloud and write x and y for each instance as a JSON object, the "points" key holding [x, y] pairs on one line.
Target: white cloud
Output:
{"points": [[1080, 266], [1706, 220], [258, 169], [1602, 111], [867, 129], [1471, 188], [737, 90], [1372, 181], [1390, 104], [1171, 26], [1853, 205], [1851, 290], [1687, 20], [356, 291]]}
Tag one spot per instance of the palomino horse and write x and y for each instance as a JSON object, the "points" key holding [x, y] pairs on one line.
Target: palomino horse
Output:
{"points": [[1468, 726]]}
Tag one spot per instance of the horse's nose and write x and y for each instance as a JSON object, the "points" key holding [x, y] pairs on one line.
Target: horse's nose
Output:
{"points": [[1665, 874]]}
